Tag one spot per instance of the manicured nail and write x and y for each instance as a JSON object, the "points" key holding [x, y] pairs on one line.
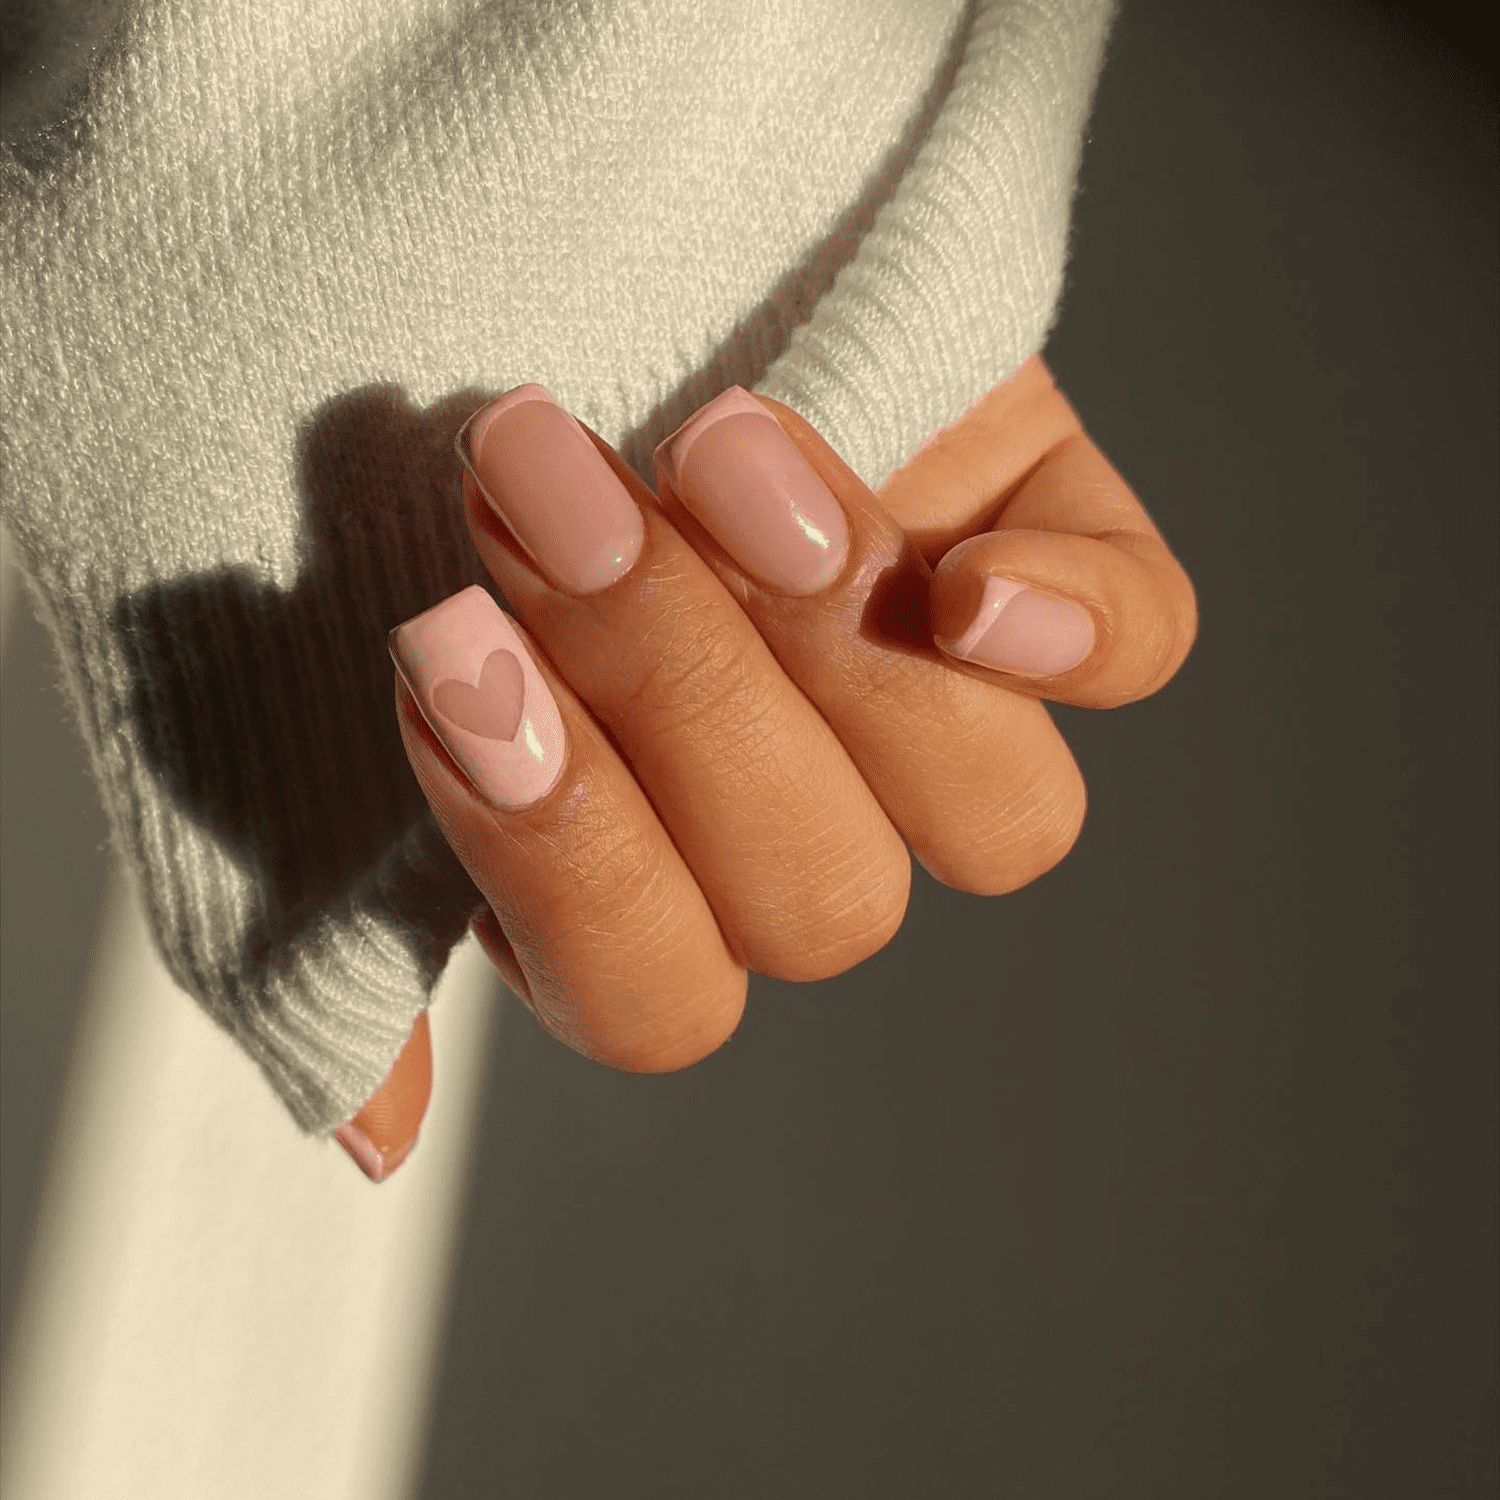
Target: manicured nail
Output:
{"points": [[551, 486], [375, 1163], [749, 486], [483, 697], [381, 1136], [1021, 630]]}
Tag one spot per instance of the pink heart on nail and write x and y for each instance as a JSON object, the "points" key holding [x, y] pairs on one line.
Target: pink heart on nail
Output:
{"points": [[491, 710]]}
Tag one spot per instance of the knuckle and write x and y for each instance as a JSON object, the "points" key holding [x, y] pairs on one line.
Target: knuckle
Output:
{"points": [[854, 914], [694, 672], [631, 976], [608, 867], [1019, 840], [678, 1038]]}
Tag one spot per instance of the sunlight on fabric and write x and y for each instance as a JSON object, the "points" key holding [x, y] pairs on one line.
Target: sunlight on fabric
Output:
{"points": [[216, 1305]]}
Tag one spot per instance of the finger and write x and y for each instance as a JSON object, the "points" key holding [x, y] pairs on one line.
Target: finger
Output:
{"points": [[1074, 595], [974, 776], [619, 954], [381, 1136], [793, 852], [958, 482], [1071, 591], [486, 928]]}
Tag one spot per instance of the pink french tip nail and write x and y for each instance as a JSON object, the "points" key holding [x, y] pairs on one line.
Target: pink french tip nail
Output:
{"points": [[376, 1164], [482, 696], [1022, 630], [370, 1160], [751, 489], [543, 477]]}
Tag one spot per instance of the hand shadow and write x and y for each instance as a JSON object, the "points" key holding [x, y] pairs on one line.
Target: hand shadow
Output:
{"points": [[266, 717]]}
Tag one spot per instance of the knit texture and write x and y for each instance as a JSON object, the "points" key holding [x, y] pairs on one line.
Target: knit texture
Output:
{"points": [[261, 261]]}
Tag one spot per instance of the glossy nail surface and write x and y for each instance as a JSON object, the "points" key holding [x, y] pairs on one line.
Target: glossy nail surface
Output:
{"points": [[548, 482], [748, 485], [482, 696], [1021, 630]]}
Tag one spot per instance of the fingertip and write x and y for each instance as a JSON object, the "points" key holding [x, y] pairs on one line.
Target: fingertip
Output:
{"points": [[382, 1134]]}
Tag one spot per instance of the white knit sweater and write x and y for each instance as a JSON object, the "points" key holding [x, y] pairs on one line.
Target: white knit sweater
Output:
{"points": [[258, 262]]}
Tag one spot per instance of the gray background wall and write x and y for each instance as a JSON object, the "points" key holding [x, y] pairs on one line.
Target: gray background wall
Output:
{"points": [[1174, 1174]]}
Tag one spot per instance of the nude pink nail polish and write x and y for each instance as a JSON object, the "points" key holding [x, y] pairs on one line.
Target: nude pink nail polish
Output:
{"points": [[482, 696], [550, 485], [749, 486], [1022, 630], [369, 1158], [375, 1163]]}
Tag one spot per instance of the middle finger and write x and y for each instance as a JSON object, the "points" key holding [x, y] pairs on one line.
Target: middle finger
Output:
{"points": [[801, 866]]}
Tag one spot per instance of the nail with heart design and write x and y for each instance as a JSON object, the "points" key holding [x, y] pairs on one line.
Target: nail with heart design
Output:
{"points": [[482, 696]]}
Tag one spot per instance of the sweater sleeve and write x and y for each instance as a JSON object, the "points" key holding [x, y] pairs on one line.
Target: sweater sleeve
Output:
{"points": [[261, 262]]}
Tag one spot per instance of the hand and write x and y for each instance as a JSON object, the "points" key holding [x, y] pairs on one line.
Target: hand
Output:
{"points": [[768, 685]]}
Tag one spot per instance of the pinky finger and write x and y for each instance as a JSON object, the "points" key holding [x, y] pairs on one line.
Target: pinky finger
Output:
{"points": [[380, 1137]]}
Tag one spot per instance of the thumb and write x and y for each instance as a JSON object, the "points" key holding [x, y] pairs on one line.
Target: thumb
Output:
{"points": [[381, 1135], [1074, 593]]}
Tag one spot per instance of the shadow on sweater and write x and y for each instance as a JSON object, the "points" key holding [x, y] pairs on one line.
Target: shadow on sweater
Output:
{"points": [[48, 55], [267, 717]]}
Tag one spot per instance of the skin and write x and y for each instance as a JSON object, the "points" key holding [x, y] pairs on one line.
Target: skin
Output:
{"points": [[747, 771]]}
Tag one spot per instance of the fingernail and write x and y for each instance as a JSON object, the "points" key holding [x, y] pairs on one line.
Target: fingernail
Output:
{"points": [[551, 486], [1021, 630], [375, 1163], [749, 486], [483, 697]]}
